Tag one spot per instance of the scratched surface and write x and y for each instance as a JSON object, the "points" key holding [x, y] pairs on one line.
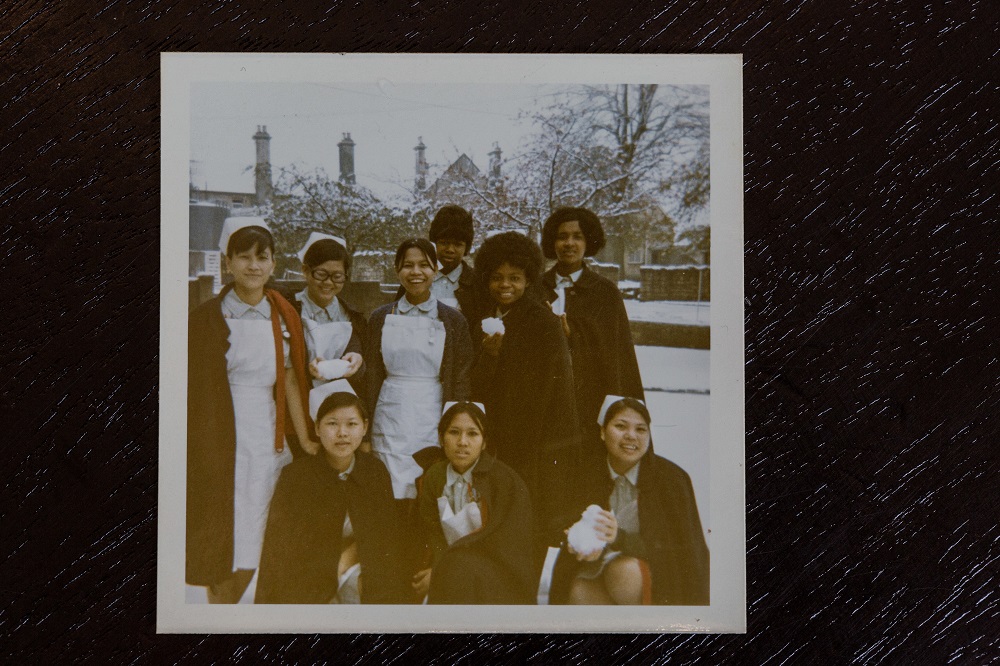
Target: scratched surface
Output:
{"points": [[871, 271]]}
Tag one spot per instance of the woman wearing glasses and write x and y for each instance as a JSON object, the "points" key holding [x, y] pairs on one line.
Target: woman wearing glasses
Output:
{"points": [[332, 329]]}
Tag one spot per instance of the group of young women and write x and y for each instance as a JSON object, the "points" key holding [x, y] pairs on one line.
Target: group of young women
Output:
{"points": [[452, 443]]}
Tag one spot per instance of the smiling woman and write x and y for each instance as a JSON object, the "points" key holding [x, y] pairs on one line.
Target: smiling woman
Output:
{"points": [[246, 378], [420, 354], [523, 376]]}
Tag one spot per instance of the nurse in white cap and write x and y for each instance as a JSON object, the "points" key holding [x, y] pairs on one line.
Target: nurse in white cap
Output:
{"points": [[333, 331], [247, 378]]}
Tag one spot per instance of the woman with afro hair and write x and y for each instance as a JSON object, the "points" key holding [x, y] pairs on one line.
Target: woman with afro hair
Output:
{"points": [[523, 376], [593, 313]]}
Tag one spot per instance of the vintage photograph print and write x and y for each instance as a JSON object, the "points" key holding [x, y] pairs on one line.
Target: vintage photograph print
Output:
{"points": [[451, 343]]}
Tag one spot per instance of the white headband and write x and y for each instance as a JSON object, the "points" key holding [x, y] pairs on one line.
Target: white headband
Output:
{"points": [[321, 392], [234, 224], [317, 236], [452, 403], [610, 400]]}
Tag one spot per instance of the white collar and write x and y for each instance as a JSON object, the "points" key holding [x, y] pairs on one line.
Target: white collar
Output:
{"points": [[454, 476], [632, 475], [332, 311], [427, 306], [238, 307], [453, 276], [350, 468], [568, 280]]}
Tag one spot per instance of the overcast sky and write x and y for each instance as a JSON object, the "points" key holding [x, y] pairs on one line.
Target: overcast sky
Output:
{"points": [[306, 121]]}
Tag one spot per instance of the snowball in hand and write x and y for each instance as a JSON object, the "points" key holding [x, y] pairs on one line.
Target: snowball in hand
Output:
{"points": [[493, 325], [583, 536], [333, 369]]}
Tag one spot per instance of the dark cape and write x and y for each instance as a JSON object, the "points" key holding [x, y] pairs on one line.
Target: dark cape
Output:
{"points": [[670, 540], [531, 411], [469, 295], [455, 363], [600, 343], [493, 565], [302, 543], [355, 344], [211, 443]]}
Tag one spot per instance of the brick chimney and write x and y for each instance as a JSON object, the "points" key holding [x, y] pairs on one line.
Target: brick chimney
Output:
{"points": [[262, 169], [421, 181], [346, 146], [495, 180]]}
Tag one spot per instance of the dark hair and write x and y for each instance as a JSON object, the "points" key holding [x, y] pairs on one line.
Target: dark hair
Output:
{"points": [[464, 407], [325, 250], [452, 222], [590, 225], [511, 248], [248, 238], [338, 400], [421, 244], [617, 408]]}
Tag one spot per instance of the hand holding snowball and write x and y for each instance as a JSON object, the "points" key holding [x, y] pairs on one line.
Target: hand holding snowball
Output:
{"points": [[588, 537]]}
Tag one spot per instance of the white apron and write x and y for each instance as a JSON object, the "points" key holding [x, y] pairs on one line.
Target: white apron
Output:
{"points": [[252, 374], [327, 341], [409, 403]]}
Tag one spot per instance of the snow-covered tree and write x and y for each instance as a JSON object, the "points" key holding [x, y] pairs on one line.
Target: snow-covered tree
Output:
{"points": [[306, 201]]}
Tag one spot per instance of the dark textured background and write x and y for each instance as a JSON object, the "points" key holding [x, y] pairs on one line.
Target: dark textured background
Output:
{"points": [[871, 262]]}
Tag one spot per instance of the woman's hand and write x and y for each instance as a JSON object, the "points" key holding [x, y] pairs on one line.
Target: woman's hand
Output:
{"points": [[422, 582], [606, 526], [354, 358], [491, 344], [314, 368], [565, 324]]}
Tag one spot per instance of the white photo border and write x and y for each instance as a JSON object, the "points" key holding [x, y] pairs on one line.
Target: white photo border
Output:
{"points": [[722, 73]]}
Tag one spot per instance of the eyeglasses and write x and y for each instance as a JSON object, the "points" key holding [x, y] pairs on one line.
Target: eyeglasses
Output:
{"points": [[323, 276]]}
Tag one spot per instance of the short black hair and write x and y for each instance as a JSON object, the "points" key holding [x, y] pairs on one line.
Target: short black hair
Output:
{"points": [[590, 225], [338, 400], [421, 244], [463, 407], [512, 248], [248, 238], [452, 222], [325, 250]]}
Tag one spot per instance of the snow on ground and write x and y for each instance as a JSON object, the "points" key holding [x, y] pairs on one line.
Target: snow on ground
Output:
{"points": [[680, 434], [671, 312], [674, 368]]}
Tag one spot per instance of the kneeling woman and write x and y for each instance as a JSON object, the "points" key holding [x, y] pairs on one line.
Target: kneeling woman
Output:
{"points": [[642, 543], [476, 517], [331, 528]]}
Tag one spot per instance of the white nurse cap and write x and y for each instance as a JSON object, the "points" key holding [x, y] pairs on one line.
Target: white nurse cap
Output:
{"points": [[322, 392], [318, 236], [610, 400], [234, 224], [451, 403]]}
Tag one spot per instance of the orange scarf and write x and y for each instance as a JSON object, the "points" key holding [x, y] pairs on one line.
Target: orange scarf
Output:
{"points": [[281, 307]]}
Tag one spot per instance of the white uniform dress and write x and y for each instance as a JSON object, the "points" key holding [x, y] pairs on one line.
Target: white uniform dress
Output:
{"points": [[409, 402], [327, 330], [252, 375]]}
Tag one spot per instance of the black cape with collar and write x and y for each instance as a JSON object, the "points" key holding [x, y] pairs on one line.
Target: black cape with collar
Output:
{"points": [[531, 411], [671, 539], [495, 564], [600, 342], [302, 543]]}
